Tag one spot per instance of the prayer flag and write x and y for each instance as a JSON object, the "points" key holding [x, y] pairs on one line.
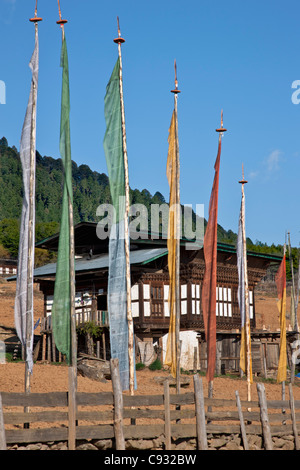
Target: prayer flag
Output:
{"points": [[210, 276], [171, 352], [61, 309], [281, 304], [24, 288], [243, 294], [117, 282]]}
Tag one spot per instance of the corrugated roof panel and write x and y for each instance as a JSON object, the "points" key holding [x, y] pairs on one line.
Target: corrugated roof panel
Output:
{"points": [[102, 261]]}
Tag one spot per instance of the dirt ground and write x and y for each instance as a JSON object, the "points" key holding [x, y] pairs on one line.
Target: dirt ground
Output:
{"points": [[53, 377]]}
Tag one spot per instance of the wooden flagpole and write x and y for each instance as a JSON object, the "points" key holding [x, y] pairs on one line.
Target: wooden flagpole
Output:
{"points": [[297, 294], [247, 313], [119, 40], [293, 310], [293, 366], [31, 227], [294, 319], [72, 369], [177, 233], [220, 131]]}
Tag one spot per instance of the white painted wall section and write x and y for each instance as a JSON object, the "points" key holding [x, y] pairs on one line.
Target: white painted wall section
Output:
{"points": [[189, 342]]}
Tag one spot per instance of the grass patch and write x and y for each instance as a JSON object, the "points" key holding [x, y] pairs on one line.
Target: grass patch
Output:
{"points": [[156, 365]]}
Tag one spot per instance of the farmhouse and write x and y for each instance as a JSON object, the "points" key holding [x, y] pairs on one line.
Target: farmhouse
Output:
{"points": [[8, 267], [149, 295]]}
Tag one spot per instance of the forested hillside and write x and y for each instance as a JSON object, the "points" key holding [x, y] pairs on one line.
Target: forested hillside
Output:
{"points": [[90, 189]]}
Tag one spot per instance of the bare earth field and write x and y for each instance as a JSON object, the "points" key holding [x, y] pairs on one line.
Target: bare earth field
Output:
{"points": [[51, 377]]}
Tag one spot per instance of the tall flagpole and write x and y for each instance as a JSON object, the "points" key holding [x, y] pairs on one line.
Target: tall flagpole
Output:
{"points": [[281, 304], [293, 309], [294, 299], [72, 369], [119, 40], [31, 227], [247, 313], [292, 306], [220, 131], [177, 234]]}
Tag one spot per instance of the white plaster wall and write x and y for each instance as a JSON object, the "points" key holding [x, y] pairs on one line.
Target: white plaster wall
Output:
{"points": [[189, 342]]}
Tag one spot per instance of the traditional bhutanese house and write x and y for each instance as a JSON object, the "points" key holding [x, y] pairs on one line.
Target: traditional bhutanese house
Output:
{"points": [[8, 267], [149, 294]]}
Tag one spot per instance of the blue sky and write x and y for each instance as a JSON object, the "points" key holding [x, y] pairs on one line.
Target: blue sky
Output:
{"points": [[241, 57]]}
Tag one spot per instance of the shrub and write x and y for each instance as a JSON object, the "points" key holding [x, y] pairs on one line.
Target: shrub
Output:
{"points": [[156, 365], [90, 328]]}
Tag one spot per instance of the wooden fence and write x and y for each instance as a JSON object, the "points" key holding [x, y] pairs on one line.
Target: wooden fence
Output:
{"points": [[118, 416]]}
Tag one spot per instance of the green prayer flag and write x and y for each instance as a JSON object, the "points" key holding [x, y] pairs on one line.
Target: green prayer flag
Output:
{"points": [[61, 309], [117, 282], [113, 141]]}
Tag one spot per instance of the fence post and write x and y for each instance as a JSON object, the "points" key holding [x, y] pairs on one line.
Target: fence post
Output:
{"points": [[283, 399], [118, 404], [167, 415], [264, 417], [200, 413], [104, 346], [294, 421], [2, 429], [243, 429], [195, 360]]}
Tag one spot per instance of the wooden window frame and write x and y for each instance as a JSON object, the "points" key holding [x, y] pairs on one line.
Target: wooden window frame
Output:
{"points": [[157, 300]]}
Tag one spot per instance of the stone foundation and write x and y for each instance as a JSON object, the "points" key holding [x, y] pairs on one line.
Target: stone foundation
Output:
{"points": [[215, 442]]}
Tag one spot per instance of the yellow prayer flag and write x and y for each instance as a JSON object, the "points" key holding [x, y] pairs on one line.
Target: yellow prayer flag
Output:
{"points": [[244, 355], [281, 304], [171, 356]]}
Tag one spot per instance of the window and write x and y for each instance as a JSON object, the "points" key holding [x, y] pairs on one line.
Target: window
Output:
{"points": [[251, 305], [196, 291], [223, 302], [166, 300], [135, 301], [183, 291], [102, 302], [157, 300]]}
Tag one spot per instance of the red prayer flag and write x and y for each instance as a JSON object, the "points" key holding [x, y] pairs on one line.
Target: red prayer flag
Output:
{"points": [[210, 276]]}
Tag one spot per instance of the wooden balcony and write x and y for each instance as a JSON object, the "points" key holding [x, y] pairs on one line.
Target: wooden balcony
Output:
{"points": [[83, 315]]}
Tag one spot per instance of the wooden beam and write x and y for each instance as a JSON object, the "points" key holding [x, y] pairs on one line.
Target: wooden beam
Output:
{"points": [[242, 423], [118, 404], [167, 415], [2, 428], [264, 417], [294, 420], [72, 369], [200, 414]]}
